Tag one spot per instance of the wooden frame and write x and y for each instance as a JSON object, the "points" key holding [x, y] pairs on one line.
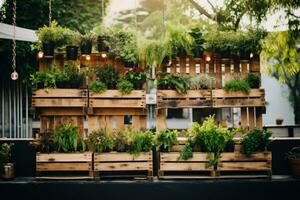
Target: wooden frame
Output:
{"points": [[112, 163], [59, 164]]}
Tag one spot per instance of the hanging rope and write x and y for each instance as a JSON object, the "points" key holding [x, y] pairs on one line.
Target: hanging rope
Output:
{"points": [[14, 75], [102, 5], [50, 12]]}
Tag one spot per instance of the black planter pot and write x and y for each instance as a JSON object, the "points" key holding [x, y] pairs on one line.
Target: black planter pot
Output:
{"points": [[197, 53], [129, 64], [72, 52], [181, 53], [48, 49], [86, 48], [225, 54], [101, 44], [245, 55]]}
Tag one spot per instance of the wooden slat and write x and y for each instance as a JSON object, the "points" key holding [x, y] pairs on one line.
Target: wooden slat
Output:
{"points": [[261, 156], [234, 103], [64, 177], [174, 157], [61, 111], [184, 104], [40, 102], [244, 166], [116, 94], [123, 166], [251, 118], [63, 166], [161, 120], [59, 93], [119, 111], [118, 156], [244, 117], [220, 93], [64, 157], [190, 94], [184, 166], [117, 103]]}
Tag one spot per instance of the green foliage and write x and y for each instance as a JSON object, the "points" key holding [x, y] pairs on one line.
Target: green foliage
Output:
{"points": [[253, 80], [294, 153], [68, 139], [100, 141], [165, 140], [44, 80], [255, 140], [202, 81], [87, 38], [139, 142], [222, 42], [5, 152], [199, 41], [125, 87], [137, 78], [250, 41], [174, 82], [108, 75], [187, 152], [120, 140], [179, 41], [97, 87], [236, 86], [210, 138], [46, 142], [153, 53]]}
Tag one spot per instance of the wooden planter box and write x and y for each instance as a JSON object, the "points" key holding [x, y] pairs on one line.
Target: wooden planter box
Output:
{"points": [[236, 165], [120, 165], [64, 165], [170, 167]]}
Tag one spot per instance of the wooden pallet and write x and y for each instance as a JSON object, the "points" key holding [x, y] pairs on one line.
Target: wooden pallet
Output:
{"points": [[170, 167], [64, 166], [236, 165], [123, 165]]}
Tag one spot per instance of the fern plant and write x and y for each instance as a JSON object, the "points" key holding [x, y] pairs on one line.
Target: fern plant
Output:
{"points": [[165, 140]]}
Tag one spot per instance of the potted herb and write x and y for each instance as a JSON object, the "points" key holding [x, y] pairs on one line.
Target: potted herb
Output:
{"points": [[72, 45], [103, 43], [86, 43], [7, 167], [199, 41], [108, 75], [173, 82], [137, 78], [51, 37], [236, 86], [279, 121], [294, 159], [100, 141], [165, 140], [125, 87], [97, 87]]}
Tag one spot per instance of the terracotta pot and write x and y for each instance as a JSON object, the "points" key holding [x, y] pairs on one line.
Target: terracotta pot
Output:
{"points": [[295, 166]]}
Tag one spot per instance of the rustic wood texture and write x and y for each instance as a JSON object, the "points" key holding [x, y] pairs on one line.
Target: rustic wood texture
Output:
{"points": [[64, 157], [53, 122], [161, 120]]}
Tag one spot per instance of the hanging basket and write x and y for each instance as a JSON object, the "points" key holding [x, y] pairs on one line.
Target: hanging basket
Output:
{"points": [[48, 49], [101, 44], [72, 52]]}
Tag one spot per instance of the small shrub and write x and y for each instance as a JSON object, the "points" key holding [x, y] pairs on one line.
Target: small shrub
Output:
{"points": [[202, 81], [174, 82], [236, 86], [97, 87], [125, 87], [100, 141], [253, 80], [137, 79], [5, 152], [255, 140], [165, 140], [108, 75], [139, 142]]}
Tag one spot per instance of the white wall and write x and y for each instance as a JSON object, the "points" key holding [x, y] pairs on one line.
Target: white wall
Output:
{"points": [[278, 106]]}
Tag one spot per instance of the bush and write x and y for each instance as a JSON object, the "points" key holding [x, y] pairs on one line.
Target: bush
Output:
{"points": [[97, 87], [5, 152], [202, 81], [165, 140], [68, 139], [137, 79], [236, 86], [125, 87], [108, 75], [100, 141], [253, 80], [174, 82], [255, 140], [139, 142]]}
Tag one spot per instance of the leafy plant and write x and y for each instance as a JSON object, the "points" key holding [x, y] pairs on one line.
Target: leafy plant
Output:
{"points": [[45, 80], [250, 41], [139, 141], [202, 81], [174, 82], [125, 87], [154, 53], [97, 87], [255, 140], [294, 153], [5, 152], [46, 143], [100, 141], [120, 140], [236, 86], [165, 140], [187, 151], [52, 34], [253, 80], [108, 75], [137, 78], [68, 139], [87, 39], [73, 38], [198, 46]]}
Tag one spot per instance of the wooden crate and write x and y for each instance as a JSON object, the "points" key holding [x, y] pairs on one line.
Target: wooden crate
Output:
{"points": [[123, 165], [64, 165], [222, 99], [170, 167], [236, 165]]}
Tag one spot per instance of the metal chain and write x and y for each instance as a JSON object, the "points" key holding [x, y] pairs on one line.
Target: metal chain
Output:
{"points": [[50, 12], [14, 38]]}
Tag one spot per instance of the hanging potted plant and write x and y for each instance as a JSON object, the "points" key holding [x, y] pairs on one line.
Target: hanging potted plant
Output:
{"points": [[7, 167], [103, 43], [50, 38], [294, 159], [198, 48], [86, 43], [72, 45]]}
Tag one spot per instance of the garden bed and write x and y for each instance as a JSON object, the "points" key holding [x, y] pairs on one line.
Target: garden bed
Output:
{"points": [[64, 165], [119, 165]]}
